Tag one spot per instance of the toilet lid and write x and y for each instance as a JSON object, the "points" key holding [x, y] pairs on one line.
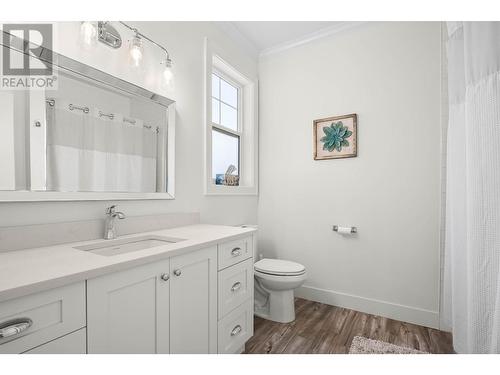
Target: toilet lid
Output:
{"points": [[279, 267]]}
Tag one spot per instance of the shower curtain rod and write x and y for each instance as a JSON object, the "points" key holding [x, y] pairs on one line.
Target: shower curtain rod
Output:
{"points": [[52, 102]]}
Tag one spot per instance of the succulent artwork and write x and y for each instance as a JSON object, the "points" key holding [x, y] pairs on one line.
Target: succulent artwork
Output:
{"points": [[335, 136]]}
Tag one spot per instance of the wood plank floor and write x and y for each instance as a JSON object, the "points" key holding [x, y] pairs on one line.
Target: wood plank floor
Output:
{"points": [[320, 328]]}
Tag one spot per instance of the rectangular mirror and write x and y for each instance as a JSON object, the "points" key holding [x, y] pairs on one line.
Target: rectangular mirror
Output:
{"points": [[94, 137]]}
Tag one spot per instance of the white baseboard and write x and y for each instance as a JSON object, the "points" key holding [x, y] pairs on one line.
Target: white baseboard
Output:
{"points": [[403, 313]]}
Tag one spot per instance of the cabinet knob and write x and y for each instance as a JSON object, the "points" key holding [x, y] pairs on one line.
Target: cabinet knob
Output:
{"points": [[236, 286], [177, 272], [236, 252], [14, 327], [165, 276], [236, 330]]}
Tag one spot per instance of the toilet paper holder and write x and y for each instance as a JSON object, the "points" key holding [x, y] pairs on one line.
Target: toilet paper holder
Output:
{"points": [[353, 229]]}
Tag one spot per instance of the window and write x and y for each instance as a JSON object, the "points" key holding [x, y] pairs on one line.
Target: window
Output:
{"points": [[230, 127], [226, 133]]}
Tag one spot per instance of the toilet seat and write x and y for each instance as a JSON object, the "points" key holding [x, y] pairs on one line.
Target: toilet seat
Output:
{"points": [[279, 267]]}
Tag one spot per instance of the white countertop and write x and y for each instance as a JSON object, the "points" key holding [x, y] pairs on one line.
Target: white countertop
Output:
{"points": [[29, 271]]}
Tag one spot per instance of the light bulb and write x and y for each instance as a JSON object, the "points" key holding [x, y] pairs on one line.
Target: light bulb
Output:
{"points": [[167, 73], [136, 50], [88, 33]]}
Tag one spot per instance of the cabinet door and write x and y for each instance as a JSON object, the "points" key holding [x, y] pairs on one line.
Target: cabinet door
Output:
{"points": [[193, 302], [128, 311]]}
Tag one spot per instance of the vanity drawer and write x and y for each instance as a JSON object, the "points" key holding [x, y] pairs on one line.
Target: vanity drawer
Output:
{"points": [[72, 343], [234, 251], [235, 286], [235, 329], [39, 318]]}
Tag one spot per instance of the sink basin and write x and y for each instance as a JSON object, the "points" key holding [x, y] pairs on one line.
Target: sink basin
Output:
{"points": [[127, 245]]}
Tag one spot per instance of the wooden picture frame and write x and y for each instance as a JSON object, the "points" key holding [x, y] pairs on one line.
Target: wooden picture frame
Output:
{"points": [[333, 142]]}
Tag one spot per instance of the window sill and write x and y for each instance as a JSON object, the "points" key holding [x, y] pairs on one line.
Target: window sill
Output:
{"points": [[230, 190]]}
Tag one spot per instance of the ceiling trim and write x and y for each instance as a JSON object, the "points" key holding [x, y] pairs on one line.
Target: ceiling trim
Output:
{"points": [[231, 30], [322, 33]]}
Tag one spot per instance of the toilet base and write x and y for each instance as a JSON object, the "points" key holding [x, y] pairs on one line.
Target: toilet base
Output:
{"points": [[279, 308]]}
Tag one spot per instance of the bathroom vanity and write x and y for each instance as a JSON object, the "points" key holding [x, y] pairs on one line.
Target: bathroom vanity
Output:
{"points": [[180, 290]]}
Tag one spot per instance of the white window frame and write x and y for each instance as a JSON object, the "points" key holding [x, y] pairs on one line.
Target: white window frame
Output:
{"points": [[247, 130], [239, 126]]}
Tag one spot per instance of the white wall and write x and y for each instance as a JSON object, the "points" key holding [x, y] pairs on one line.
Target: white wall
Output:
{"points": [[389, 74], [185, 42]]}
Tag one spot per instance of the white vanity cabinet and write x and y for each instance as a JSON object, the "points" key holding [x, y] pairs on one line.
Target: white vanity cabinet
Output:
{"points": [[193, 302], [72, 343], [128, 311], [197, 301], [235, 294], [37, 319], [167, 306]]}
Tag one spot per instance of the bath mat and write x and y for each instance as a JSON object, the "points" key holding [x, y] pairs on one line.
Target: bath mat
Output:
{"points": [[362, 345]]}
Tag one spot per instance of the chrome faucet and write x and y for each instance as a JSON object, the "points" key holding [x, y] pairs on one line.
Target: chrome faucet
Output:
{"points": [[110, 224]]}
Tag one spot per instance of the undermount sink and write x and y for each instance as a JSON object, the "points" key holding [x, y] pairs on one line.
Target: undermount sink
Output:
{"points": [[127, 245]]}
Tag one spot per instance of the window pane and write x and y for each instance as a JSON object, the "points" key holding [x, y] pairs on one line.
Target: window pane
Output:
{"points": [[225, 152], [228, 117], [215, 86], [215, 111], [228, 93]]}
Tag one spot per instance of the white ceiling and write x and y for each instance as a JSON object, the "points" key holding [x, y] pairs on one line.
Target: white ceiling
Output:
{"points": [[263, 36]]}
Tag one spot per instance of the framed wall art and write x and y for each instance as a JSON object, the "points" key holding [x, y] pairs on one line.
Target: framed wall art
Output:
{"points": [[335, 137]]}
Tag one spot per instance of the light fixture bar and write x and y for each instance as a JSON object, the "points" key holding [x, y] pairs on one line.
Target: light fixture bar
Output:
{"points": [[137, 32], [108, 35]]}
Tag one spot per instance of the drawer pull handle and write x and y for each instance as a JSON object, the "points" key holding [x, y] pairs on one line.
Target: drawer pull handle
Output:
{"points": [[165, 276], [14, 327], [236, 330], [177, 272], [236, 286], [236, 252]]}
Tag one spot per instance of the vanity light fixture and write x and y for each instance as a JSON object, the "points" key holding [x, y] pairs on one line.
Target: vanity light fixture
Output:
{"points": [[167, 62], [88, 33], [109, 36], [168, 75], [136, 50]]}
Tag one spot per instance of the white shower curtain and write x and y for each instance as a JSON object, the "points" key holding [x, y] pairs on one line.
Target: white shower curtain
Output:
{"points": [[91, 152], [471, 293]]}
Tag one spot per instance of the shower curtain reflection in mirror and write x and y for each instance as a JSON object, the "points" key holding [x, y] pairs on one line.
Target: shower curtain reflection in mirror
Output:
{"points": [[94, 137], [90, 151]]}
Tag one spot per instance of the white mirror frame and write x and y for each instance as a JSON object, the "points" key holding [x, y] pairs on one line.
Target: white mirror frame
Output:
{"points": [[78, 68]]}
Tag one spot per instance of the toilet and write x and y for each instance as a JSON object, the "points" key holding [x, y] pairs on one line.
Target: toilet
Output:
{"points": [[275, 281]]}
